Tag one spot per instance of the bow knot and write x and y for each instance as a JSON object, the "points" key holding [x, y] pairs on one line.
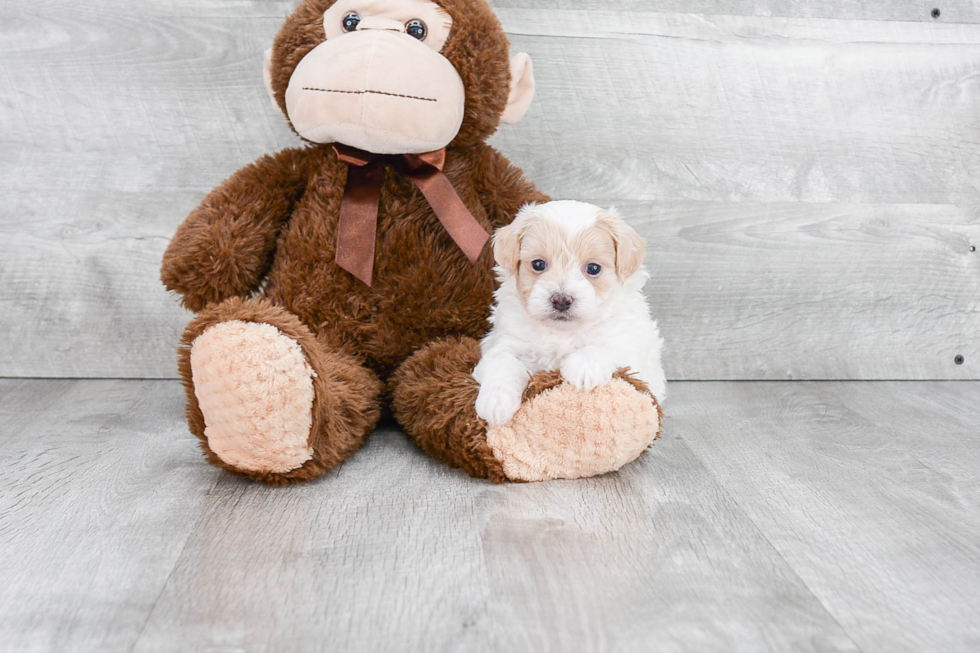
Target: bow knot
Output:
{"points": [[357, 228]]}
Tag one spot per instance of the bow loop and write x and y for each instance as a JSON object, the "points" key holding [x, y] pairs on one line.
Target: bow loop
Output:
{"points": [[357, 228], [353, 156], [435, 159]]}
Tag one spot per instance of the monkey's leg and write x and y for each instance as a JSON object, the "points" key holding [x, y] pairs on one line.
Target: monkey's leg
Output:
{"points": [[266, 399], [559, 432], [433, 398]]}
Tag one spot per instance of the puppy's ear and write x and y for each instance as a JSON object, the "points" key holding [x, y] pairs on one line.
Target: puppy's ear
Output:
{"points": [[507, 241], [630, 248]]}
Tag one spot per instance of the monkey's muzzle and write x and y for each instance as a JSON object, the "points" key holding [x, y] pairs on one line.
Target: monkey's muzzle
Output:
{"points": [[379, 91]]}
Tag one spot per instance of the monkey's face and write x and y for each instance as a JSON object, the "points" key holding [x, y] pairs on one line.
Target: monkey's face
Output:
{"points": [[379, 82], [397, 76]]}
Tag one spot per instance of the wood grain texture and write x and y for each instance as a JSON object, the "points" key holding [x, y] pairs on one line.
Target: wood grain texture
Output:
{"points": [[959, 11], [396, 552], [813, 291], [392, 551], [648, 106], [101, 487], [116, 119], [869, 491], [770, 517]]}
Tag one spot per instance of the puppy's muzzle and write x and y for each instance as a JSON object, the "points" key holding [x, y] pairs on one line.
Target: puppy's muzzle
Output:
{"points": [[561, 302]]}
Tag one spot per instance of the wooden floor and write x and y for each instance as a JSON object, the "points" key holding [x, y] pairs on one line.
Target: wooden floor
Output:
{"points": [[771, 517]]}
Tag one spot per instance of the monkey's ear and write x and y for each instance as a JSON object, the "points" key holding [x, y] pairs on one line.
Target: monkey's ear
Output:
{"points": [[521, 88], [267, 77]]}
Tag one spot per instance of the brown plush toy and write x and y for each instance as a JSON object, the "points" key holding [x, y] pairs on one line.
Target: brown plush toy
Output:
{"points": [[336, 280]]}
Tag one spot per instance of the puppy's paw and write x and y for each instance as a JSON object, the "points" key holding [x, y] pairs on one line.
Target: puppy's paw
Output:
{"points": [[585, 371], [498, 402]]}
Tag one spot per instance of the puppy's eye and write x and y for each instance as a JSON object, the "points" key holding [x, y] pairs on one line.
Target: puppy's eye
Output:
{"points": [[593, 269], [351, 21], [538, 265], [416, 28]]}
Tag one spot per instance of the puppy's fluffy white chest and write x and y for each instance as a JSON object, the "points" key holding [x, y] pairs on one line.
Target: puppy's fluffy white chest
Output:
{"points": [[623, 334], [545, 359], [547, 351]]}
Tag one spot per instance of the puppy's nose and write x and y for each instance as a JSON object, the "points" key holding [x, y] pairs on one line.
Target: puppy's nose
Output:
{"points": [[561, 302]]}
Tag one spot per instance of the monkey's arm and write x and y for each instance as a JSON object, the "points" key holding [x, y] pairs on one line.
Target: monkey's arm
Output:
{"points": [[225, 246], [503, 187]]}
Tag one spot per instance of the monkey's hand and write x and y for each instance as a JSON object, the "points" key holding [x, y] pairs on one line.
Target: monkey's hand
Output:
{"points": [[224, 247]]}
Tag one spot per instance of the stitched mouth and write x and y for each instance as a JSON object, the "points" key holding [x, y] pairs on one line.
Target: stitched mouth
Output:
{"points": [[369, 92]]}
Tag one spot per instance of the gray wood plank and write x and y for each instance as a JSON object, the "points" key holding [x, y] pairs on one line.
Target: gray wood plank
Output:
{"points": [[734, 108], [394, 552], [958, 11], [762, 291], [813, 291], [869, 491], [80, 293], [116, 119], [101, 487]]}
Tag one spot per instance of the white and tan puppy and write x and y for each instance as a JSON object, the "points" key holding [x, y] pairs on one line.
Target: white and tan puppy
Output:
{"points": [[570, 299]]}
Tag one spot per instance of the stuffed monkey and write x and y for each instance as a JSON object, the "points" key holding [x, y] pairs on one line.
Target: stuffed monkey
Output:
{"points": [[353, 275]]}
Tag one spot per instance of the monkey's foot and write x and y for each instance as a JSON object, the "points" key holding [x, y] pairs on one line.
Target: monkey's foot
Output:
{"points": [[558, 432], [255, 390], [561, 432], [266, 399]]}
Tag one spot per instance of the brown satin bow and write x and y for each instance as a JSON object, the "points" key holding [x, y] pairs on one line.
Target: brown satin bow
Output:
{"points": [[359, 209]]}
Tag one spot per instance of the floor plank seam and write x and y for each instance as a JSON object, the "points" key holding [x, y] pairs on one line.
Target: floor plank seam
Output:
{"points": [[183, 548], [772, 546]]}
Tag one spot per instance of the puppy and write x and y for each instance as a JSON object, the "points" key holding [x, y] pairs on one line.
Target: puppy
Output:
{"points": [[570, 299]]}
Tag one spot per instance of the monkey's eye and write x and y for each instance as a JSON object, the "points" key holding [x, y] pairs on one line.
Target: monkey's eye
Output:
{"points": [[538, 265], [416, 28], [593, 269], [351, 21]]}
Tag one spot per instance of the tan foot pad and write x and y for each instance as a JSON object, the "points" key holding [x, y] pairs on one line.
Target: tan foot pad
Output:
{"points": [[567, 433], [255, 390]]}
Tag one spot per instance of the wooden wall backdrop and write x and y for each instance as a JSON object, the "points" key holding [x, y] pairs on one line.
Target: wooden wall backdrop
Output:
{"points": [[807, 172]]}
